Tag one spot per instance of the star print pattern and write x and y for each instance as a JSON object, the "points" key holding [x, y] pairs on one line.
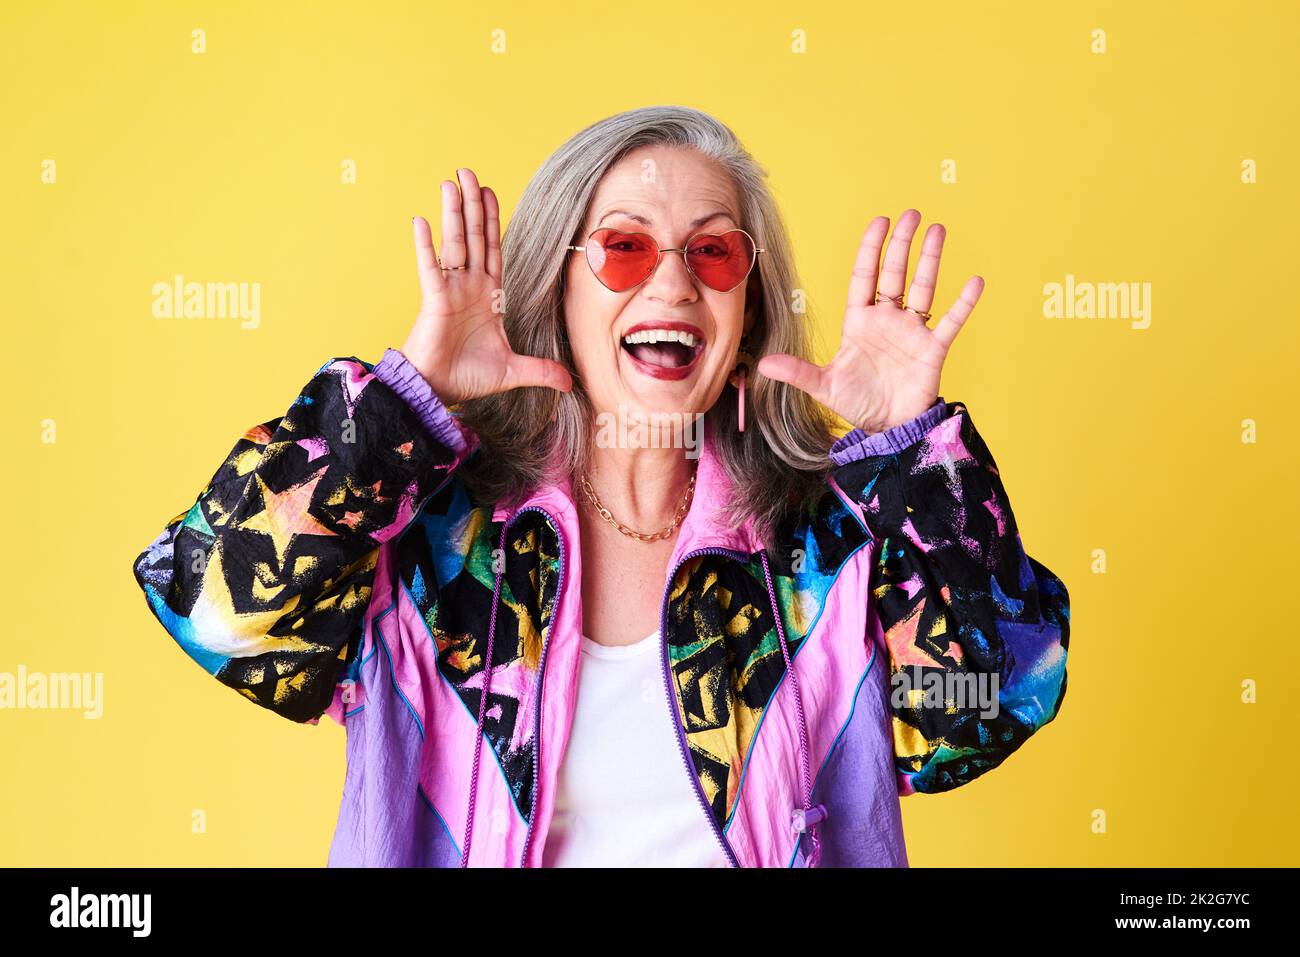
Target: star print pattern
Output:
{"points": [[446, 565], [265, 579], [957, 595]]}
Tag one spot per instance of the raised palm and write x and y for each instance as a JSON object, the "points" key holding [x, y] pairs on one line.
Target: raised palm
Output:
{"points": [[458, 342], [887, 368]]}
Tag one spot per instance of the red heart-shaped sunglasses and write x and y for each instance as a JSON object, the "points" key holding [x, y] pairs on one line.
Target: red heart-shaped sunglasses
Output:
{"points": [[622, 261]]}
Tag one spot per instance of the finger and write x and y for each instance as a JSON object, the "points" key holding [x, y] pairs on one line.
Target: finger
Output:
{"points": [[524, 371], [953, 320], [893, 275], [426, 260], [792, 370], [472, 207], [862, 287], [492, 233], [453, 227], [920, 295]]}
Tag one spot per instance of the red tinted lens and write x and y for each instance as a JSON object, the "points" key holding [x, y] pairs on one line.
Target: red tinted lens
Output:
{"points": [[721, 262], [621, 260]]}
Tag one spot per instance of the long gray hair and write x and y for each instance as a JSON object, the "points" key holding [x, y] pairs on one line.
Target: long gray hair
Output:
{"points": [[533, 435]]}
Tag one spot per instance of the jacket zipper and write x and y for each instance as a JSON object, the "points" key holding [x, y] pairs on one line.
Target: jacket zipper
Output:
{"points": [[672, 696], [541, 678], [668, 688]]}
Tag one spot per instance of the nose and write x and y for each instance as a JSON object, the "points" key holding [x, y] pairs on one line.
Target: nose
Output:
{"points": [[671, 282]]}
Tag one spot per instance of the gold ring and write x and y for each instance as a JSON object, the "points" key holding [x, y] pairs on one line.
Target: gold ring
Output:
{"points": [[896, 300], [924, 315]]}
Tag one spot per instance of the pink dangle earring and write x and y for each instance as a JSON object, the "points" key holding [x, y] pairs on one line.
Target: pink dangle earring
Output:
{"points": [[744, 362]]}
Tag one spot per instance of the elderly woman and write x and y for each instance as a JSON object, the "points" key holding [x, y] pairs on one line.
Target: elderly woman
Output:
{"points": [[554, 643]]}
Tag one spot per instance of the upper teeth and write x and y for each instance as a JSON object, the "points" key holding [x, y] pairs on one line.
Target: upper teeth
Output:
{"points": [[661, 335]]}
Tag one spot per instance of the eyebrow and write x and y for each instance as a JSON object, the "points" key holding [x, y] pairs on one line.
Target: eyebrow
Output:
{"points": [[646, 222]]}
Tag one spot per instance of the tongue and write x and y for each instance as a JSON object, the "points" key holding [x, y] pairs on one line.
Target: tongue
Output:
{"points": [[671, 354]]}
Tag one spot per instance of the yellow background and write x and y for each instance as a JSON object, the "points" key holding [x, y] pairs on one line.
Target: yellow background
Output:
{"points": [[225, 166]]}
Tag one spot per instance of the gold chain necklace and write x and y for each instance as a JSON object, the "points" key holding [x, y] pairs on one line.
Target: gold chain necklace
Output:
{"points": [[682, 508]]}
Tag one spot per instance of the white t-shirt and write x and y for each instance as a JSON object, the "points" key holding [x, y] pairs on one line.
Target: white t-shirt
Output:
{"points": [[625, 798]]}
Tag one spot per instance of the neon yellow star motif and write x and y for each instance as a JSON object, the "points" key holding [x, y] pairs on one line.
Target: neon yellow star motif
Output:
{"points": [[286, 515]]}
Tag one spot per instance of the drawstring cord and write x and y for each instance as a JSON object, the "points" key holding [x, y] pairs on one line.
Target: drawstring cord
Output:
{"points": [[805, 818], [487, 688]]}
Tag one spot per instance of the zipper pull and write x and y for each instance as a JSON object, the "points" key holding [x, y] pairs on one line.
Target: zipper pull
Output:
{"points": [[804, 818]]}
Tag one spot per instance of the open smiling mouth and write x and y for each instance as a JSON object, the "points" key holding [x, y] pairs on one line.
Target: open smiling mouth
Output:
{"points": [[663, 352]]}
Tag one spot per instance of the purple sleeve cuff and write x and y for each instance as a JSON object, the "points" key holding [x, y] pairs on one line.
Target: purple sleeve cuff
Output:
{"points": [[857, 444], [395, 371]]}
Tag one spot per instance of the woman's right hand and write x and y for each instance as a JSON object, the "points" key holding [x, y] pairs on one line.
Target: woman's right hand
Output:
{"points": [[458, 342]]}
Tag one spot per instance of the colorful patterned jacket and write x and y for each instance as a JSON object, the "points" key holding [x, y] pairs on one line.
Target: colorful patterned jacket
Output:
{"points": [[335, 565]]}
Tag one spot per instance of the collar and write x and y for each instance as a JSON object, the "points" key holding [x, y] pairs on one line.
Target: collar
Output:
{"points": [[703, 527]]}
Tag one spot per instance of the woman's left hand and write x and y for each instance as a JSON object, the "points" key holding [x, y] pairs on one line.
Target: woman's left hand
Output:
{"points": [[887, 368]]}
